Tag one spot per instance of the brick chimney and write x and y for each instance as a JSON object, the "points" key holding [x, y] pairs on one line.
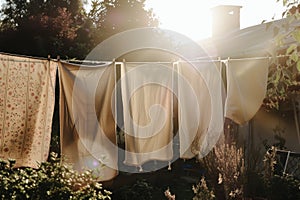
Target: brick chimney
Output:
{"points": [[225, 19]]}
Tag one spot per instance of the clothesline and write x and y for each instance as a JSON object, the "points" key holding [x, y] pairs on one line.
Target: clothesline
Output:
{"points": [[87, 61], [180, 61], [25, 56], [165, 62], [95, 62]]}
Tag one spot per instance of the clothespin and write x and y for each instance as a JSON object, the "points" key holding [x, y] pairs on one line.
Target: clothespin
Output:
{"points": [[58, 58], [49, 57]]}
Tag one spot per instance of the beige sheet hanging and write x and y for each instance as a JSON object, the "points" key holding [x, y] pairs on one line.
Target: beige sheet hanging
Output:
{"points": [[200, 107], [27, 96], [246, 88], [87, 125], [147, 106]]}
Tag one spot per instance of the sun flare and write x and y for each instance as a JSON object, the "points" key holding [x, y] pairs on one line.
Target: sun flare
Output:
{"points": [[193, 18]]}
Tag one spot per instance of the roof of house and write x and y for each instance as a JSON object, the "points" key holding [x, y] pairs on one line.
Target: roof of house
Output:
{"points": [[253, 41]]}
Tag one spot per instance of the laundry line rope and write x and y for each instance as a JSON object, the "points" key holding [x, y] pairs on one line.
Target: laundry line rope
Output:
{"points": [[95, 62], [180, 61]]}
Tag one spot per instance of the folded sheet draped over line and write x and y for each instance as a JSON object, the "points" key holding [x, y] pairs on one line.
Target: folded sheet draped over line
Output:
{"points": [[27, 95], [88, 138], [147, 109], [88, 114], [200, 107], [246, 88]]}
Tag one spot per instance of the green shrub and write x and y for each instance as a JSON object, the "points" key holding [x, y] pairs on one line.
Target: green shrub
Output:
{"points": [[278, 185], [140, 190], [283, 187], [50, 181]]}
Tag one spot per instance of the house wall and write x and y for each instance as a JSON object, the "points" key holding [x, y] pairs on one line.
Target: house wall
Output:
{"points": [[266, 125], [262, 129]]}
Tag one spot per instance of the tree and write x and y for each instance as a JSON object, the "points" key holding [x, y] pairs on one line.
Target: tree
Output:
{"points": [[115, 16], [284, 73], [39, 27], [63, 27]]}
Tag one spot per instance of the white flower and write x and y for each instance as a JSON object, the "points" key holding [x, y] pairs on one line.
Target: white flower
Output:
{"points": [[220, 180]]}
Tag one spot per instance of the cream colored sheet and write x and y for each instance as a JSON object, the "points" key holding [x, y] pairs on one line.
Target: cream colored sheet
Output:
{"points": [[148, 111], [246, 88], [200, 107], [27, 96], [87, 125]]}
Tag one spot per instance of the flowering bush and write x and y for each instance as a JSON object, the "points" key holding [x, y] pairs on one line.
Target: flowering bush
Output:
{"points": [[50, 181], [202, 192]]}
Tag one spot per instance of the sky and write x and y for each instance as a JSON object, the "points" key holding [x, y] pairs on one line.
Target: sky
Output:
{"points": [[193, 17]]}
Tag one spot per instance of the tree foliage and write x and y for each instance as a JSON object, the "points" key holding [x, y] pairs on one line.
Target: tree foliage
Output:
{"points": [[284, 73], [64, 27], [115, 17], [40, 27]]}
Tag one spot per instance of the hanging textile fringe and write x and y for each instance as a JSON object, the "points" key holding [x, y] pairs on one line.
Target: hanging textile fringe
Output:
{"points": [[141, 168], [169, 167]]}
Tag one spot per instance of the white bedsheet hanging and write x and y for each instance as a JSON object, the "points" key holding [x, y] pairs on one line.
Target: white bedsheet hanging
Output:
{"points": [[200, 107], [148, 111], [246, 87], [87, 125]]}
